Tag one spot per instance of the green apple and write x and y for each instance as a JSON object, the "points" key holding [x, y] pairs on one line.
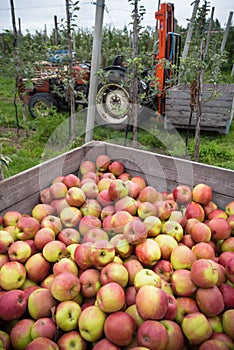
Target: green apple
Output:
{"points": [[91, 323], [67, 315], [6, 240], [196, 328], [12, 275], [146, 277]]}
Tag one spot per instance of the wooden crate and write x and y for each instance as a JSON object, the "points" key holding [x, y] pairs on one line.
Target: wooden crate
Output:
{"points": [[217, 112], [21, 192]]}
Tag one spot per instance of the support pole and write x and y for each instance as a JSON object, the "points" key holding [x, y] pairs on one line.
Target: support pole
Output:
{"points": [[95, 65], [190, 30]]}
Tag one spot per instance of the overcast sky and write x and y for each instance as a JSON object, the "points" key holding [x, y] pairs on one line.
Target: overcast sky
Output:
{"points": [[34, 15]]}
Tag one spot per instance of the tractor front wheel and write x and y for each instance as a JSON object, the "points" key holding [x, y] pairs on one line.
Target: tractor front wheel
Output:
{"points": [[41, 104]]}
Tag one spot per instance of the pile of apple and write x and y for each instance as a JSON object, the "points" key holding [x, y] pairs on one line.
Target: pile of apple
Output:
{"points": [[106, 262]]}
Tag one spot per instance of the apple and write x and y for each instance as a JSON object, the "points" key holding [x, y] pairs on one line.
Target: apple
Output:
{"points": [[146, 277], [37, 267], [229, 270], [105, 344], [3, 259], [58, 190], [225, 257], [59, 204], [148, 252], [220, 228], [203, 250], [86, 166], [228, 322], [217, 213], [132, 311], [95, 234], [182, 284], [119, 323], [6, 240], [91, 323], [11, 217], [182, 257], [87, 222], [12, 275], [65, 286], [5, 340], [114, 272], [52, 222], [135, 232], [71, 180], [132, 265], [70, 216], [108, 210], [130, 295], [104, 183], [26, 227], [195, 210], [202, 193], [163, 209], [173, 229], [71, 340], [229, 208], [146, 209], [163, 268], [148, 194], [116, 168], [91, 207], [65, 265], [89, 176], [46, 283], [166, 244], [119, 220], [122, 247], [54, 250], [44, 327], [176, 337], [45, 196], [42, 343], [20, 333], [153, 226], [152, 334], [139, 180], [151, 302], [210, 301], [204, 274], [133, 188], [43, 236], [90, 189], [102, 162], [228, 295], [185, 306], [228, 244], [182, 194], [69, 235], [196, 328], [216, 323], [110, 297], [224, 338], [75, 196], [103, 198], [90, 282], [18, 251], [106, 175], [40, 303], [213, 344], [128, 204], [67, 314], [172, 307], [117, 189], [13, 304], [41, 210], [82, 255], [102, 252], [200, 232]]}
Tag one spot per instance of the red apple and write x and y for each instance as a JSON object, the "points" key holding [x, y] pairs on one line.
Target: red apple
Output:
{"points": [[75, 196], [70, 216], [102, 252], [200, 232], [71, 180], [11, 217], [133, 265], [58, 190], [194, 210], [91, 207], [147, 277], [102, 162], [140, 181], [213, 344], [119, 220], [105, 344], [203, 250], [122, 247], [43, 236], [20, 334], [148, 194], [220, 228], [117, 189], [148, 252], [152, 334], [44, 327], [90, 189], [13, 304], [37, 267], [182, 284], [228, 322], [82, 255], [128, 204], [118, 323], [185, 306], [65, 265], [41, 303], [164, 269], [133, 188], [196, 328], [174, 229], [151, 302], [182, 257], [91, 323], [210, 301], [69, 340], [86, 166], [54, 250], [217, 213], [166, 244], [176, 337], [6, 240], [87, 222], [90, 282], [42, 343], [69, 235], [114, 272], [146, 209], [26, 227], [95, 234], [202, 193], [228, 295], [182, 194], [111, 297], [203, 273], [45, 196], [65, 286], [52, 222], [153, 226], [116, 168], [135, 232]]}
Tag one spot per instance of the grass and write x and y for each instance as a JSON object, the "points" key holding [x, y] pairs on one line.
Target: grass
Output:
{"points": [[46, 137]]}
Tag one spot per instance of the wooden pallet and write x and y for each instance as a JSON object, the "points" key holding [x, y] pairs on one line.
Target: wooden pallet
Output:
{"points": [[21, 192], [217, 108]]}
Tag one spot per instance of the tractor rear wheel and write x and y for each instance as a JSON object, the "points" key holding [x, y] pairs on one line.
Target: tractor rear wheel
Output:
{"points": [[41, 103]]}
